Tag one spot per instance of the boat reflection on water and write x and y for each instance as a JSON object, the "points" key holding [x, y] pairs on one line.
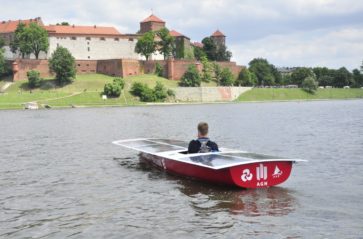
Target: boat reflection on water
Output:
{"points": [[274, 201], [208, 198]]}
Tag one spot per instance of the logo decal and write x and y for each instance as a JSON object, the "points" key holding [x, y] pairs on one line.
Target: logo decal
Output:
{"points": [[277, 172], [261, 172], [246, 175]]}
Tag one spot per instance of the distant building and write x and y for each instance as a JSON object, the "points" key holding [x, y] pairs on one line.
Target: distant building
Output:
{"points": [[219, 38], [151, 23], [183, 48], [92, 42]]}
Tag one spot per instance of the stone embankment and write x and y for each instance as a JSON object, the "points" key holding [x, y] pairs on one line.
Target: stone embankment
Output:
{"points": [[208, 94]]}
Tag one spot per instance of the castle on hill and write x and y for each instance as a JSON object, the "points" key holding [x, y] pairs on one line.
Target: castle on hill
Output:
{"points": [[102, 42]]}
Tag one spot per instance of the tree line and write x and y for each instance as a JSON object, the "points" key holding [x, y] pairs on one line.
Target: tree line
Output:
{"points": [[261, 73], [161, 41]]}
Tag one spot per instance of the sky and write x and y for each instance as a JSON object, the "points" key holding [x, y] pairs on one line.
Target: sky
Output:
{"points": [[287, 33]]}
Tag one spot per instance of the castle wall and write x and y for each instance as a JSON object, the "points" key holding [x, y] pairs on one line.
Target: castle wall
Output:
{"points": [[95, 48]]}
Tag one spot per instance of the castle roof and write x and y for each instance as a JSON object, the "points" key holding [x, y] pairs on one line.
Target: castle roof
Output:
{"points": [[10, 26], [177, 34], [82, 30], [153, 18], [218, 33], [198, 44]]}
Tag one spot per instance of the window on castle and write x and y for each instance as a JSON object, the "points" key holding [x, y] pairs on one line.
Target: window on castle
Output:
{"points": [[102, 39], [131, 39], [73, 38], [117, 39], [89, 57], [88, 49], [88, 38]]}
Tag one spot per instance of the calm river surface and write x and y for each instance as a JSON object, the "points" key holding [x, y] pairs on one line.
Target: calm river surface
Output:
{"points": [[60, 176]]}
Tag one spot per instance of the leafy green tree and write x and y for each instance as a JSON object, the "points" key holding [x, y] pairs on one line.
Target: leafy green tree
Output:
{"points": [[37, 38], [34, 78], [217, 72], [277, 75], [20, 41], [245, 78], [210, 48], [146, 45], [299, 75], [263, 71], [2, 62], [310, 85], [326, 80], [358, 78], [191, 77], [2, 42], [63, 64], [227, 78], [343, 77], [165, 45], [223, 54], [159, 70], [207, 69], [199, 53]]}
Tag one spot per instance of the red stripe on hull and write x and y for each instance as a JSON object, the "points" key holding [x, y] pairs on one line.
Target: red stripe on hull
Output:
{"points": [[254, 175]]}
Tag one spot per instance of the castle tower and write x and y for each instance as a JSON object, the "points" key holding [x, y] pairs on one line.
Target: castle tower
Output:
{"points": [[219, 38], [151, 23]]}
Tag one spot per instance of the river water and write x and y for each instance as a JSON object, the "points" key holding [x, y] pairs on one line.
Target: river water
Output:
{"points": [[60, 176]]}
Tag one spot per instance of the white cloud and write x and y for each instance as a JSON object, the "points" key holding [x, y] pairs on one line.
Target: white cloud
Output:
{"points": [[333, 48]]}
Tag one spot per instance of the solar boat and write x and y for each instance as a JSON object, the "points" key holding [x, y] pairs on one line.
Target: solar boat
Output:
{"points": [[227, 167]]}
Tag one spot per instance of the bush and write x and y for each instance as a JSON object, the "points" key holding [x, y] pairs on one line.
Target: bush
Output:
{"points": [[63, 64], [245, 78], [159, 70], [146, 94], [114, 89], [34, 78], [309, 85], [191, 77], [227, 78], [170, 93]]}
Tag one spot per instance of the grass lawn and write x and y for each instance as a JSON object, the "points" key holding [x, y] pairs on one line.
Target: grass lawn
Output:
{"points": [[84, 91], [270, 94]]}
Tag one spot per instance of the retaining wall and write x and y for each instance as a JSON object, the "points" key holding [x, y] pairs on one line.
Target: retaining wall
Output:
{"points": [[208, 94]]}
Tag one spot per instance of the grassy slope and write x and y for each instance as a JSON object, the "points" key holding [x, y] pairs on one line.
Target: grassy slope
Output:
{"points": [[268, 94], [85, 90]]}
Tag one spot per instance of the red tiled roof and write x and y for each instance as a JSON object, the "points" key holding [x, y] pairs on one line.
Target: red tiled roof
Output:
{"points": [[82, 30], [198, 44], [10, 26], [175, 33], [153, 18], [218, 34]]}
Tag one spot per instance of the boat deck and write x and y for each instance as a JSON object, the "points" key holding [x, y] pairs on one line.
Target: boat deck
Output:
{"points": [[176, 150]]}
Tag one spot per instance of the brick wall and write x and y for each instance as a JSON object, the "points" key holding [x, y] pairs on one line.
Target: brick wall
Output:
{"points": [[149, 67], [109, 67], [131, 67]]}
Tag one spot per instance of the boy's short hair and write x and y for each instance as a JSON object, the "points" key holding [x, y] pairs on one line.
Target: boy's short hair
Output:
{"points": [[203, 128]]}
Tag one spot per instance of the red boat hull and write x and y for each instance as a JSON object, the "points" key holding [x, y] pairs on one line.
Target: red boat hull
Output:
{"points": [[253, 175]]}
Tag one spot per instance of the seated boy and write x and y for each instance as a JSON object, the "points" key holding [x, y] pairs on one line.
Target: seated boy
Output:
{"points": [[202, 144]]}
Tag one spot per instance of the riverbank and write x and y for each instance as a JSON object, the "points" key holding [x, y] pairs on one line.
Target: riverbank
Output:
{"points": [[295, 94], [87, 89]]}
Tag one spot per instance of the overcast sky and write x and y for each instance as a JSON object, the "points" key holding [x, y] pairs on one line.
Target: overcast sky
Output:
{"points": [[286, 32]]}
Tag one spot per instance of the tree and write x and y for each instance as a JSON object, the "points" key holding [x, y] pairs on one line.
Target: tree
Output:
{"points": [[227, 78], [223, 54], [277, 75], [358, 78], [2, 42], [217, 72], [34, 78], [159, 70], [299, 75], [210, 48], [146, 45], [166, 42], [326, 80], [199, 53], [263, 71], [245, 78], [37, 38], [309, 84], [63, 64], [207, 69], [343, 77], [20, 42], [191, 77], [2, 62]]}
